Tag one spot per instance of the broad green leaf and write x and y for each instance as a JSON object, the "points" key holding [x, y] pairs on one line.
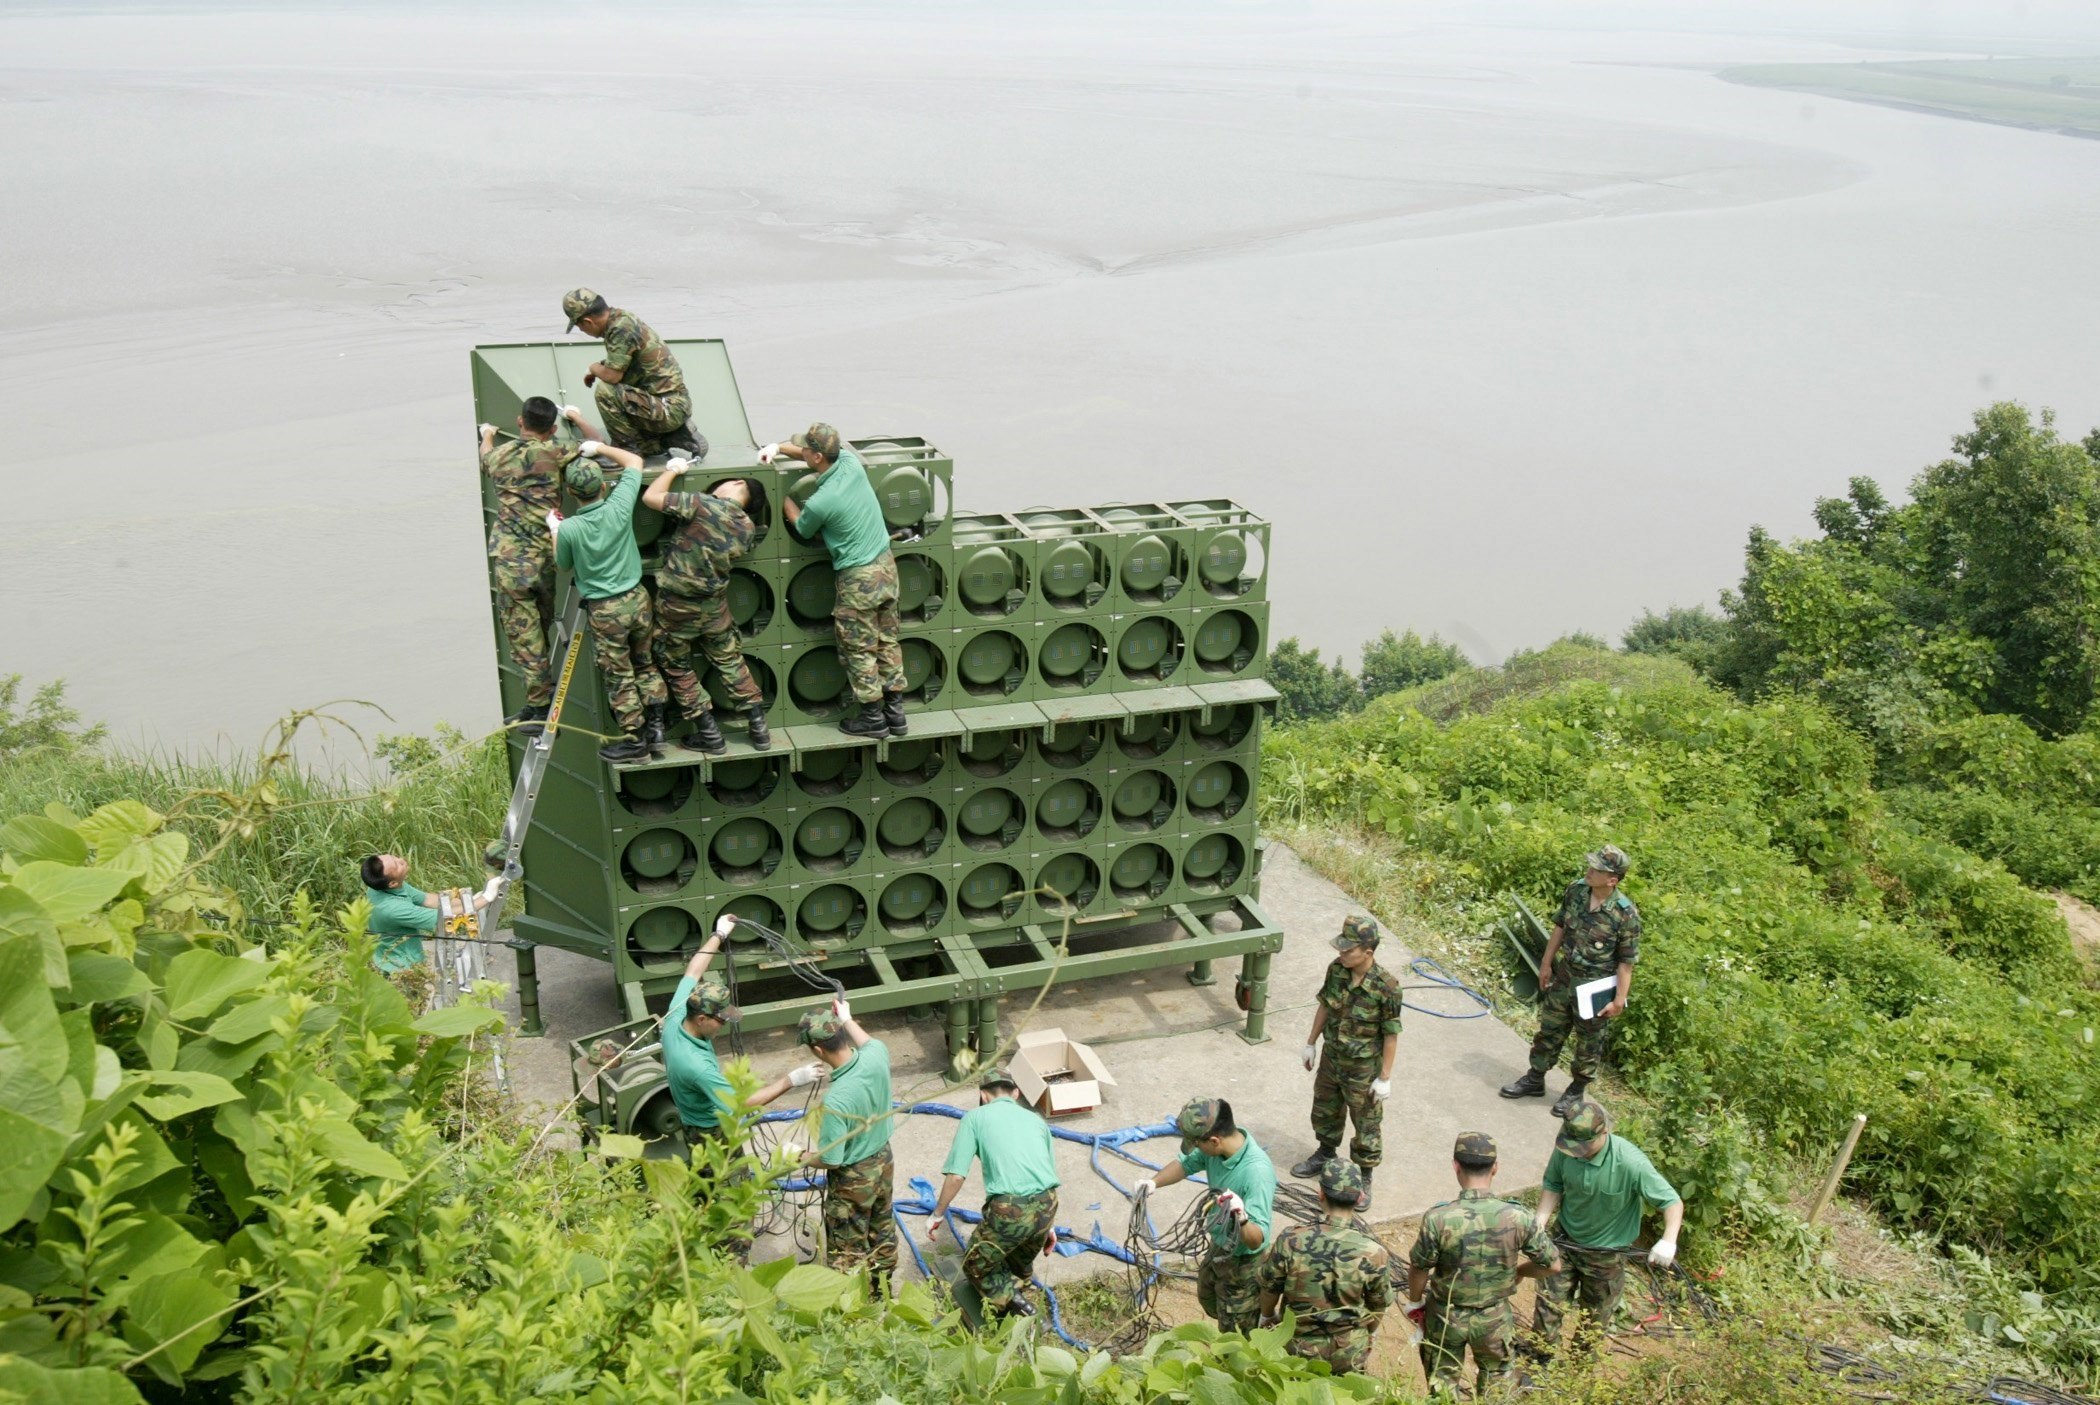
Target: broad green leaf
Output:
{"points": [[226, 1060], [1056, 1361], [200, 981], [66, 893], [811, 1287], [588, 1270], [155, 1244], [250, 1018], [159, 1041], [30, 1035], [228, 1169], [34, 1133], [194, 1090], [456, 1020], [30, 837], [621, 1146], [117, 824], [349, 1149], [31, 1384], [108, 1073], [154, 862], [166, 1307], [99, 978], [22, 916]]}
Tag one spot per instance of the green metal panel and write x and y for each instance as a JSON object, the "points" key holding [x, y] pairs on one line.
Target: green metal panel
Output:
{"points": [[916, 763], [1145, 737], [925, 586], [1074, 747], [1220, 731]]}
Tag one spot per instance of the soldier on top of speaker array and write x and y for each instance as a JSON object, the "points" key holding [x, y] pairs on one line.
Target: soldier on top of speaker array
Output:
{"points": [[692, 605], [638, 384], [526, 474]]}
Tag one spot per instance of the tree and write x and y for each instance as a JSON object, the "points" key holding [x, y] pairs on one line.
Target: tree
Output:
{"points": [[44, 722], [1311, 690], [1396, 661], [1694, 634]]}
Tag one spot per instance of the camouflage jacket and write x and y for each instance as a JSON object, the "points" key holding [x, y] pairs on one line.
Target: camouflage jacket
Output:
{"points": [[527, 474], [633, 348], [1592, 944], [1359, 1015], [711, 535], [1470, 1247], [1333, 1277]]}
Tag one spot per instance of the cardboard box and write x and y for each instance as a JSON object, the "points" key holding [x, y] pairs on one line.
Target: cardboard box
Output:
{"points": [[1058, 1076]]}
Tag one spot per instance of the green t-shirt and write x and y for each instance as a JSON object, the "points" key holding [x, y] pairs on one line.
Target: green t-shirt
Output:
{"points": [[598, 542], [400, 921], [1014, 1145], [1248, 1174], [843, 510], [857, 1116], [695, 1074], [1601, 1198]]}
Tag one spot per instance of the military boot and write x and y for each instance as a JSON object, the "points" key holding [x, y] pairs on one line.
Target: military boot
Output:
{"points": [[868, 722], [1529, 1084], [529, 720], [893, 713], [1309, 1168], [761, 734], [689, 439], [653, 728], [1018, 1306], [627, 748], [1571, 1099], [1363, 1206], [705, 736]]}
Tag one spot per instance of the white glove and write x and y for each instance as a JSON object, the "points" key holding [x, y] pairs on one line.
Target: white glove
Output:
{"points": [[1143, 1188], [590, 448], [791, 1152], [724, 924], [805, 1075], [1312, 1056], [571, 413], [1380, 1087], [553, 522], [769, 453], [1664, 1253], [488, 894], [486, 430], [677, 463], [1234, 1207], [841, 1008]]}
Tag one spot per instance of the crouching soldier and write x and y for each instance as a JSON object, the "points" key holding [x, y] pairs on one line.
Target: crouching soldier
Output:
{"points": [[1020, 1192], [1336, 1279]]}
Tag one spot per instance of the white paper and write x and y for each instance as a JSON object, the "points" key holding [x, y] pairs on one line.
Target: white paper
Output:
{"points": [[1592, 996]]}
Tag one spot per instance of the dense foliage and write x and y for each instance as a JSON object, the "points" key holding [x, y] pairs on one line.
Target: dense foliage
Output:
{"points": [[1392, 662]]}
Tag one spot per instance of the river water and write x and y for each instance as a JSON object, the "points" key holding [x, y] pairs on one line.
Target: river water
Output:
{"points": [[1511, 330]]}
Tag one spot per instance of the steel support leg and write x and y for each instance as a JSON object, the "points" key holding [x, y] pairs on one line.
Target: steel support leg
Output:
{"points": [[960, 1013], [987, 1030], [1200, 974], [1254, 974], [529, 1026]]}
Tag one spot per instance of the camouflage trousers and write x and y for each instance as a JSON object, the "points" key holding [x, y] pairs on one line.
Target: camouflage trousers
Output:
{"points": [[1228, 1287], [865, 621], [1556, 1019], [1594, 1279], [638, 421], [1002, 1251], [1342, 1093], [1446, 1333], [621, 627], [857, 1226], [521, 560], [1344, 1349], [688, 622]]}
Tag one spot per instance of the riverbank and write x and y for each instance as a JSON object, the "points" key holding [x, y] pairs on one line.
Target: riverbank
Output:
{"points": [[2060, 95]]}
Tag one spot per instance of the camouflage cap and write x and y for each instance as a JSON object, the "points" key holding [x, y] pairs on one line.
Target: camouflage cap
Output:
{"points": [[818, 1026], [1197, 1117], [996, 1078], [1474, 1149], [1583, 1126], [1610, 859], [1342, 1182], [821, 437], [579, 303], [1356, 932], [584, 477], [711, 999]]}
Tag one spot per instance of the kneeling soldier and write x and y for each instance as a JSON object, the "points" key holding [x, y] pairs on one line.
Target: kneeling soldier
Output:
{"points": [[1465, 1261], [692, 605], [638, 384], [1020, 1189], [1359, 1011], [1333, 1276], [1243, 1186]]}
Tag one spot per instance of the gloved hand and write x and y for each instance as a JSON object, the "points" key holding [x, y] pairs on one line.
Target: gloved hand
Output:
{"points": [[1142, 1189], [1664, 1253], [805, 1075], [769, 453], [724, 925], [841, 1007], [571, 413], [488, 893], [933, 1230], [553, 521], [590, 448], [677, 463], [791, 1153], [1312, 1056], [1380, 1087], [1413, 1311], [1235, 1208], [487, 430]]}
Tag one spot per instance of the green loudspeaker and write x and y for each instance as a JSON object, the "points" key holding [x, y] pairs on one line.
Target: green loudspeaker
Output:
{"points": [[1230, 548], [990, 893], [1073, 565], [912, 904], [923, 598], [743, 851], [1140, 872], [1228, 641], [829, 775], [908, 829], [1149, 550], [1215, 791], [990, 562], [754, 602], [913, 483], [1071, 746], [916, 763], [990, 666], [1149, 649], [660, 862], [827, 843], [1065, 885], [1221, 731], [646, 798], [992, 754], [1144, 800], [1071, 660], [830, 913], [742, 783], [1147, 736], [989, 819], [1218, 863], [1064, 811]]}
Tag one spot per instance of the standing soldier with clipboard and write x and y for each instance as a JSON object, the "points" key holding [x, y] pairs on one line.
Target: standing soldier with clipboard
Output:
{"points": [[1596, 936]]}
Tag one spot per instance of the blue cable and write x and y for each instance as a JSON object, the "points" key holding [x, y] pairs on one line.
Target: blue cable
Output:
{"points": [[1429, 971]]}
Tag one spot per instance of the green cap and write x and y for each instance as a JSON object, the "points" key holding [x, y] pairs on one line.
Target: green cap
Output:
{"points": [[821, 437], [584, 477], [711, 999], [818, 1026], [1474, 1149], [1610, 859], [1583, 1126], [1198, 1116], [1356, 932], [579, 303], [997, 1078], [1342, 1182]]}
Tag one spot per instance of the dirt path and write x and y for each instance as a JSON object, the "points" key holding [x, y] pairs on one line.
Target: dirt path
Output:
{"points": [[2084, 922]]}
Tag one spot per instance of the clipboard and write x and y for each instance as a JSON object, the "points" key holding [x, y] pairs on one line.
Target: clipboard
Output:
{"points": [[1592, 996]]}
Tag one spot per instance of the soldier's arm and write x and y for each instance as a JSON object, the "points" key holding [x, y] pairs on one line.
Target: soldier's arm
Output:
{"points": [[1417, 1284], [1378, 1284], [1392, 1049], [584, 428], [1319, 1023], [950, 1186], [655, 494], [625, 459], [1552, 950]]}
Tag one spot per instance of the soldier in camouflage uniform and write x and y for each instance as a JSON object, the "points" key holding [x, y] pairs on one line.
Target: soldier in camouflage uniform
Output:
{"points": [[1597, 934], [854, 1145], [526, 474], [1242, 1206], [1335, 1278], [638, 385], [843, 510], [1463, 1271], [692, 605], [1358, 1009], [1020, 1185]]}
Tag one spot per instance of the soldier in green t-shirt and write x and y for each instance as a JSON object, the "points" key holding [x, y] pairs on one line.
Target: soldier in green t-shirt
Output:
{"points": [[637, 383], [1020, 1192], [1464, 1269], [402, 914], [1596, 936], [598, 545], [1243, 1201], [1598, 1185], [853, 1144]]}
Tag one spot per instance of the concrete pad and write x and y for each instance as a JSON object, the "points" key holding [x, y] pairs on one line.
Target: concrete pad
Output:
{"points": [[1165, 1041]]}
